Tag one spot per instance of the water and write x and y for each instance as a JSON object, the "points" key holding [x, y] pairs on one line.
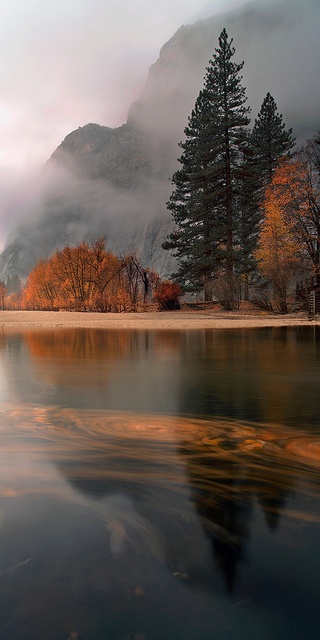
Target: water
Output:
{"points": [[160, 485]]}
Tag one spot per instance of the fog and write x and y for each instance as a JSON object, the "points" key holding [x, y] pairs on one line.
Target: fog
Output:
{"points": [[63, 64], [90, 62]]}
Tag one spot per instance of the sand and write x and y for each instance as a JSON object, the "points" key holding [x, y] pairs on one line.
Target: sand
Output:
{"points": [[175, 320]]}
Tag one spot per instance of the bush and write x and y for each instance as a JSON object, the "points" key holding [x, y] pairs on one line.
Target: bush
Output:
{"points": [[226, 290], [167, 295]]}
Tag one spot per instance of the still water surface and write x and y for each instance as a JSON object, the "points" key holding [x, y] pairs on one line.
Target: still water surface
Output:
{"points": [[160, 485]]}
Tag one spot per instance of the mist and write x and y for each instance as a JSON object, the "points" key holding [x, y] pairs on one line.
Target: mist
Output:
{"points": [[89, 189]]}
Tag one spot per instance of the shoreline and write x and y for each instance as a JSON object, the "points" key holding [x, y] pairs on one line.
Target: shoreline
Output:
{"points": [[151, 320]]}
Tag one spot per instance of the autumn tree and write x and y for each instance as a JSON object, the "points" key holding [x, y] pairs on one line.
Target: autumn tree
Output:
{"points": [[307, 215], [103, 273], [279, 254], [72, 277], [205, 200], [39, 292], [296, 188], [88, 277]]}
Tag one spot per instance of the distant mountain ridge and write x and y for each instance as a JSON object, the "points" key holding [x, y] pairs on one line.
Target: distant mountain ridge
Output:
{"points": [[115, 182]]}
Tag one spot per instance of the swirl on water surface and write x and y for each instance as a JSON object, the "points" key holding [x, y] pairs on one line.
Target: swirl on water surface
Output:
{"points": [[122, 447], [102, 428], [99, 428]]}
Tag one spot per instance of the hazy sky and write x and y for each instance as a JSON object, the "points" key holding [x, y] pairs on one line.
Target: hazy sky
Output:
{"points": [[69, 62]]}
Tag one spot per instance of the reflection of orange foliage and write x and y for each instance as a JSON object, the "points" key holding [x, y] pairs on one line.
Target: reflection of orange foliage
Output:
{"points": [[167, 343], [87, 278], [69, 350], [77, 344]]}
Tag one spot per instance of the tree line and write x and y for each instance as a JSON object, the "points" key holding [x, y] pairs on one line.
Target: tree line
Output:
{"points": [[90, 278], [245, 207]]}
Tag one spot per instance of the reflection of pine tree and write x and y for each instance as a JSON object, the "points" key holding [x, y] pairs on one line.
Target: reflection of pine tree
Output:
{"points": [[223, 502], [223, 483], [272, 489]]}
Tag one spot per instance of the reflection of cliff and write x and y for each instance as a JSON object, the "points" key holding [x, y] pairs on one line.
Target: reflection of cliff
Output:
{"points": [[126, 468]]}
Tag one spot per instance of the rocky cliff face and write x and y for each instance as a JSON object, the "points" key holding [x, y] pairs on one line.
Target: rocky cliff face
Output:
{"points": [[117, 155], [115, 182]]}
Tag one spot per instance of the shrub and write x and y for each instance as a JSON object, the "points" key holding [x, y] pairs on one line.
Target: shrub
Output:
{"points": [[167, 295]]}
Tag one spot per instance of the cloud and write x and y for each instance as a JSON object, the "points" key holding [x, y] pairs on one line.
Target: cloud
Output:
{"points": [[64, 64]]}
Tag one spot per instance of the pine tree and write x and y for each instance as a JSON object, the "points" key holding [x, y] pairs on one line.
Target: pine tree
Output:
{"points": [[270, 140], [205, 202]]}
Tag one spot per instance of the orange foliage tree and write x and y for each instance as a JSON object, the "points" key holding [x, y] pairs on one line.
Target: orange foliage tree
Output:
{"points": [[296, 189], [279, 254], [88, 277], [39, 292]]}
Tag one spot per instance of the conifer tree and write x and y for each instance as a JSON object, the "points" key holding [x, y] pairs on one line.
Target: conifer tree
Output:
{"points": [[205, 201], [270, 140]]}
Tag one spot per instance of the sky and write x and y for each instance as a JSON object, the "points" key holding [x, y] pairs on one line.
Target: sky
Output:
{"points": [[69, 62]]}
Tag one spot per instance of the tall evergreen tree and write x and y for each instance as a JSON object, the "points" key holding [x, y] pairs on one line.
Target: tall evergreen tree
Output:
{"points": [[270, 141], [205, 202]]}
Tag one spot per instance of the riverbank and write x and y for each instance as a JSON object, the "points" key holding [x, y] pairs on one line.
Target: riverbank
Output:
{"points": [[186, 318]]}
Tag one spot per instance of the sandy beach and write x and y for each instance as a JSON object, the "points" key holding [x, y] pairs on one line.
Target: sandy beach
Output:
{"points": [[175, 320]]}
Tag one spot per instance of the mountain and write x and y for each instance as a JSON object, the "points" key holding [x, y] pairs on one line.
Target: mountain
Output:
{"points": [[115, 182]]}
